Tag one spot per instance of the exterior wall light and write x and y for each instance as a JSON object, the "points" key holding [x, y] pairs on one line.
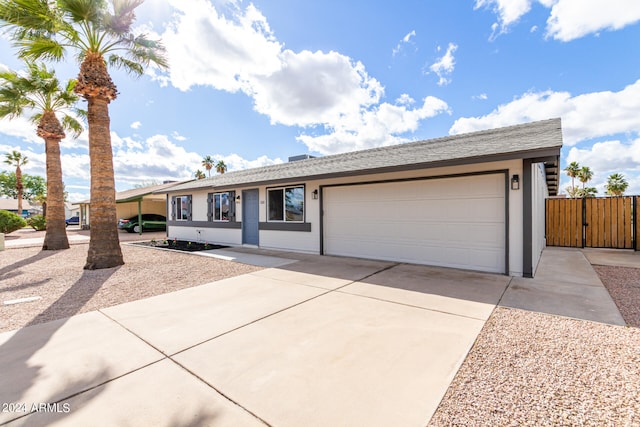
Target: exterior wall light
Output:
{"points": [[515, 182], [238, 197], [314, 194]]}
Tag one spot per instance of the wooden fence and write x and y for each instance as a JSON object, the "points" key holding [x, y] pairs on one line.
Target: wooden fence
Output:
{"points": [[597, 222]]}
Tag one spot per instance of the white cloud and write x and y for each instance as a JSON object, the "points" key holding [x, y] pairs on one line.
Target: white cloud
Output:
{"points": [[405, 40], [205, 47], [315, 88], [444, 66], [583, 117], [509, 12], [568, 19], [136, 125], [383, 125], [235, 50], [572, 19]]}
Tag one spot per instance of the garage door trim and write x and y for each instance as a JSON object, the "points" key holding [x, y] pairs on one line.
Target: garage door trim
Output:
{"points": [[504, 172]]}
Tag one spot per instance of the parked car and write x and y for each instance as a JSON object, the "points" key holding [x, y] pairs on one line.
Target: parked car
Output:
{"points": [[74, 220], [150, 222]]}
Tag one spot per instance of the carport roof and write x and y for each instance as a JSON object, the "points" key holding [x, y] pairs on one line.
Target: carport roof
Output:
{"points": [[540, 141]]}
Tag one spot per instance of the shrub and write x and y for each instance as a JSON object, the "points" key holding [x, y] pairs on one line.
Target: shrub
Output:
{"points": [[37, 222], [10, 222]]}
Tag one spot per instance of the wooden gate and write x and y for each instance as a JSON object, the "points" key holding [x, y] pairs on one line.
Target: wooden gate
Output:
{"points": [[596, 222]]}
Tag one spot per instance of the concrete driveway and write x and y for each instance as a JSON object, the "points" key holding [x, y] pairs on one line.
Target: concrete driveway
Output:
{"points": [[313, 341]]}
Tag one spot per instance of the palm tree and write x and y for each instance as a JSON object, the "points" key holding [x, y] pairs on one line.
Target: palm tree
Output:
{"points": [[207, 163], [584, 175], [616, 184], [199, 174], [15, 158], [572, 170], [39, 95], [98, 32], [221, 167]]}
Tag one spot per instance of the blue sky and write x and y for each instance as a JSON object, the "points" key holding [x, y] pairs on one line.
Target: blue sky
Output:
{"points": [[255, 83]]}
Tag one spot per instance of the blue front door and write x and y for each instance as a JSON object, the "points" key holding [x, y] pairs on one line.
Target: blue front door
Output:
{"points": [[250, 211]]}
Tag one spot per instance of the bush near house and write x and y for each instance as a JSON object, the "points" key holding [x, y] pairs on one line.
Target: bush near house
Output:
{"points": [[10, 222], [37, 222]]}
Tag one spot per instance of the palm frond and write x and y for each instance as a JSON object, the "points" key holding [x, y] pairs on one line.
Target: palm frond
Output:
{"points": [[33, 49], [83, 10], [71, 124], [129, 66]]}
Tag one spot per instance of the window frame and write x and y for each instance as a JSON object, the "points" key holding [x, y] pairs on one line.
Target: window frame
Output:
{"points": [[178, 214], [283, 207], [211, 200]]}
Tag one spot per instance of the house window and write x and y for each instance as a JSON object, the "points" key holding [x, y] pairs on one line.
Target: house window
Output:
{"points": [[286, 204], [182, 208], [222, 206]]}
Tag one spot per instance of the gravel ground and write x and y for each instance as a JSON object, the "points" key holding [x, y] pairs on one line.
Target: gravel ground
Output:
{"points": [[66, 289], [623, 284], [533, 369]]}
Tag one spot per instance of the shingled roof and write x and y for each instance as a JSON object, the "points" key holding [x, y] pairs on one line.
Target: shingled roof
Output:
{"points": [[540, 140]]}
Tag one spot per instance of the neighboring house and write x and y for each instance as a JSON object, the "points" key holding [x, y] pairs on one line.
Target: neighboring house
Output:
{"points": [[28, 209], [472, 201], [133, 202], [71, 209]]}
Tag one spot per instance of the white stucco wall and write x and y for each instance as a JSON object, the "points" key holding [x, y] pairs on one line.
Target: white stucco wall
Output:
{"points": [[539, 194]]}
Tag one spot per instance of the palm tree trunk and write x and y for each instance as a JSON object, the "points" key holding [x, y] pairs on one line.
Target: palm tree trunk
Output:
{"points": [[19, 188], [104, 244], [55, 237]]}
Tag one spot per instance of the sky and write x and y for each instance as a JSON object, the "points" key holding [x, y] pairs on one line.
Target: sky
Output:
{"points": [[252, 83]]}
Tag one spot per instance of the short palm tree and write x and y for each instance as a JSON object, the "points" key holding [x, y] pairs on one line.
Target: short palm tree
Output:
{"points": [[221, 167], [100, 33], [584, 175], [572, 170], [38, 94], [199, 174], [207, 163], [15, 158], [616, 184]]}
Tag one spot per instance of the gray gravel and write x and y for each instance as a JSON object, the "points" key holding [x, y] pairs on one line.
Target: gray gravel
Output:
{"points": [[623, 284], [66, 289], [534, 369]]}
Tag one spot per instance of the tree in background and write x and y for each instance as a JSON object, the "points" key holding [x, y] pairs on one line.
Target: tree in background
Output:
{"points": [[207, 163], [199, 174], [221, 167], [584, 175], [33, 186], [15, 158], [100, 33], [616, 185], [38, 95], [572, 170]]}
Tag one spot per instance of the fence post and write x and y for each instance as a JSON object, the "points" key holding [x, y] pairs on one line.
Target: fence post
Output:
{"points": [[634, 223]]}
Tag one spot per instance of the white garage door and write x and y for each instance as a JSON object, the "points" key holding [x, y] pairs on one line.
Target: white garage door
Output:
{"points": [[454, 222]]}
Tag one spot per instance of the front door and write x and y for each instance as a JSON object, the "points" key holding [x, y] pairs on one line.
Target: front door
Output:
{"points": [[250, 210]]}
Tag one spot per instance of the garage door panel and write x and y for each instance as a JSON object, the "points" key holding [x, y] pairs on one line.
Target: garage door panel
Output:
{"points": [[455, 222]]}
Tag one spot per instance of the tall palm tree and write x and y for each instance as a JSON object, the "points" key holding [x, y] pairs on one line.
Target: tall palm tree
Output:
{"points": [[584, 175], [616, 184], [199, 174], [207, 163], [15, 158], [221, 167], [38, 94], [572, 170], [99, 32]]}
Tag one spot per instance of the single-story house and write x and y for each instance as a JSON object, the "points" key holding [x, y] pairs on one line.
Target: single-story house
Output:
{"points": [[28, 209], [473, 201], [133, 202]]}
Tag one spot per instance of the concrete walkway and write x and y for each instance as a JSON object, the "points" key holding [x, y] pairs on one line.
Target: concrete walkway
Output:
{"points": [[313, 341]]}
